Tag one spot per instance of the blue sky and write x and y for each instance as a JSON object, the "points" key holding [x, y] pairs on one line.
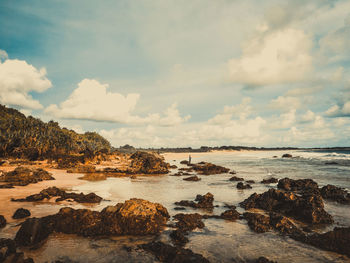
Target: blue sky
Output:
{"points": [[182, 73]]}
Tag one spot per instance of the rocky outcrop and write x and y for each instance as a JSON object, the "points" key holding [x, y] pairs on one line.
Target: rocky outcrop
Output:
{"points": [[3, 221], [241, 185], [337, 240], [230, 215], [192, 178], [82, 169], [148, 163], [209, 168], [22, 176], [264, 260], [201, 201], [297, 185], [307, 208], [50, 192], [336, 194], [170, 254], [21, 213], [287, 155], [257, 222], [133, 217], [9, 253], [271, 180]]}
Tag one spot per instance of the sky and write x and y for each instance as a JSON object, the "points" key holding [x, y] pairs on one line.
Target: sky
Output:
{"points": [[161, 73]]}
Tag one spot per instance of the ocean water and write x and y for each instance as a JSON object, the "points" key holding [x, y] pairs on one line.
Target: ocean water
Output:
{"points": [[219, 241]]}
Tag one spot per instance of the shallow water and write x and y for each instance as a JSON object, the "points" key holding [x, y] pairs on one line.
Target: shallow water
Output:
{"points": [[219, 241]]}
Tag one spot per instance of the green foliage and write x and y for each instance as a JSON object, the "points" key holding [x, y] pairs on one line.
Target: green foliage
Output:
{"points": [[28, 137]]}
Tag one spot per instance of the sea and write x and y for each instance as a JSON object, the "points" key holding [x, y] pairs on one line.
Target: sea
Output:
{"points": [[219, 240]]}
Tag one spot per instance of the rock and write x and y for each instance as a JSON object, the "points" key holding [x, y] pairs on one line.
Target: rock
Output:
{"points": [[2, 221], [257, 222], [148, 163], [271, 180], [21, 213], [179, 208], [169, 254], [173, 166], [236, 179], [337, 240], [6, 186], [82, 169], [209, 168], [179, 237], [334, 193], [285, 226], [297, 185], [240, 185], [188, 222], [250, 181], [192, 178], [232, 172], [307, 208], [50, 192], [264, 260], [9, 254], [203, 201], [231, 215], [184, 162], [287, 155], [133, 217], [22, 176], [331, 163]]}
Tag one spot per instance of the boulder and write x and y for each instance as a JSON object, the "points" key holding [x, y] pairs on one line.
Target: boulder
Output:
{"points": [[257, 222], [271, 180], [209, 168], [2, 221], [201, 201], [336, 194], [9, 253], [287, 155], [82, 169], [133, 217], [21, 213], [192, 178], [22, 176], [241, 185], [148, 163], [307, 208], [188, 222], [297, 185], [230, 215], [184, 162], [50, 192]]}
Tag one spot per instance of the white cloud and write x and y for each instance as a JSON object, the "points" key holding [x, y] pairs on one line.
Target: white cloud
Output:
{"points": [[285, 103], [308, 117], [339, 111], [18, 79], [281, 56], [92, 101]]}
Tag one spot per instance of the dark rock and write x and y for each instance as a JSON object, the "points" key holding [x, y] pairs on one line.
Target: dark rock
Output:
{"points": [[21, 213], [236, 179], [9, 254], [184, 162], [264, 260], [287, 155], [50, 192], [257, 222], [188, 222], [240, 185], [232, 172], [173, 166], [203, 201], [297, 185], [331, 163], [169, 254], [22, 176], [179, 208], [6, 186], [133, 217], [231, 215], [250, 181], [2, 221], [148, 163], [308, 208], [192, 178], [179, 238], [286, 227], [334, 193], [271, 180], [337, 240], [82, 169]]}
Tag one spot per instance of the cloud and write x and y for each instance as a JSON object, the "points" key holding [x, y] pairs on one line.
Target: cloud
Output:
{"points": [[309, 116], [18, 79], [285, 103], [92, 101], [281, 56], [339, 111]]}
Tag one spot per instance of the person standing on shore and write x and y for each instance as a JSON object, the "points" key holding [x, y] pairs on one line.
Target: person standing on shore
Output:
{"points": [[189, 159]]}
